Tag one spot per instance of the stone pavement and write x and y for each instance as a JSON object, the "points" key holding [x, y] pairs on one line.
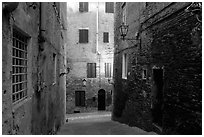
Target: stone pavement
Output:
{"points": [[97, 123]]}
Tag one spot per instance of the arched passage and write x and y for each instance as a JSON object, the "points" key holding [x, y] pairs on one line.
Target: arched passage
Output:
{"points": [[101, 99]]}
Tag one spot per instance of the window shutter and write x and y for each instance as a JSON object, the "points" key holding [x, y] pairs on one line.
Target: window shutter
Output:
{"points": [[77, 98], [86, 8], [82, 98], [107, 69], [86, 36], [80, 36], [105, 37], [88, 70], [81, 6], [109, 7], [91, 70], [83, 36], [94, 70]]}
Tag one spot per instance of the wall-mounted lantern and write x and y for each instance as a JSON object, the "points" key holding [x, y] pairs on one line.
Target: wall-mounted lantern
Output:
{"points": [[84, 82], [110, 81], [123, 32]]}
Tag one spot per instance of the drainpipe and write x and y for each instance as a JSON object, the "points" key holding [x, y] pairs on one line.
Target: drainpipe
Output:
{"points": [[97, 41], [41, 37], [97, 13]]}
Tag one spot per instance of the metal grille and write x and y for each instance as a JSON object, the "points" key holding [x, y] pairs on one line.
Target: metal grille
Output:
{"points": [[19, 67]]}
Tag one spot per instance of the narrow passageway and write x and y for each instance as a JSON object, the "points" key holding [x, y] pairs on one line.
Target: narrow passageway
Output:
{"points": [[97, 123]]}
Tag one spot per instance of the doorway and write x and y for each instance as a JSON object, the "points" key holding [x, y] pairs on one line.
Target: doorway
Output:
{"points": [[157, 96], [101, 99]]}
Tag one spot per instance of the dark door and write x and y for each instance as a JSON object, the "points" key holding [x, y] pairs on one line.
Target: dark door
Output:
{"points": [[157, 98], [101, 99]]}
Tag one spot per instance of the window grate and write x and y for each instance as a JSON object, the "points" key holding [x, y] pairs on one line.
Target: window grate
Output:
{"points": [[19, 67]]}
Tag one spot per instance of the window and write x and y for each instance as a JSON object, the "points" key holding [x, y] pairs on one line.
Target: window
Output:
{"points": [[105, 37], [124, 13], [83, 7], [19, 67], [91, 70], [109, 7], [55, 68], [124, 66], [107, 70], [83, 36], [144, 74], [80, 98]]}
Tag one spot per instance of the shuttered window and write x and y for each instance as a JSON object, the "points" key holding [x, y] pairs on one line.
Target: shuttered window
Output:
{"points": [[105, 37], [91, 70], [83, 6], [83, 36], [80, 98], [107, 70], [109, 7]]}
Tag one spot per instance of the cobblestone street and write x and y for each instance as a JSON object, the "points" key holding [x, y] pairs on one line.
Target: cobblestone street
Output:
{"points": [[98, 123]]}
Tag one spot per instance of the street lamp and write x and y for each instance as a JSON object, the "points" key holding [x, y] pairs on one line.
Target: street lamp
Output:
{"points": [[123, 33], [123, 30], [84, 82]]}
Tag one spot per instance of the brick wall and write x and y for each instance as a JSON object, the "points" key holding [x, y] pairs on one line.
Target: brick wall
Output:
{"points": [[167, 41]]}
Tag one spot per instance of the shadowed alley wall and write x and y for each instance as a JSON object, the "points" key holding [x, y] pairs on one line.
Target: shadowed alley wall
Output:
{"points": [[43, 109]]}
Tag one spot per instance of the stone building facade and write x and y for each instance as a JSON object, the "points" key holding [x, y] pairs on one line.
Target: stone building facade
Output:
{"points": [[158, 77], [33, 67], [84, 80]]}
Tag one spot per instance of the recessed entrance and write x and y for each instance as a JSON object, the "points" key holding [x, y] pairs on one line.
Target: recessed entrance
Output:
{"points": [[157, 96], [101, 99]]}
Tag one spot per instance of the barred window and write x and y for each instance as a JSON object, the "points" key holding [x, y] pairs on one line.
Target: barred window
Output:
{"points": [[19, 67]]}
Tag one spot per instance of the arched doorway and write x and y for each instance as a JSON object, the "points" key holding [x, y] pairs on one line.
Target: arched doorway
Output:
{"points": [[101, 99]]}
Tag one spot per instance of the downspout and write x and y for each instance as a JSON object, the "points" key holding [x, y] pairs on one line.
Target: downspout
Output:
{"points": [[97, 41], [97, 13]]}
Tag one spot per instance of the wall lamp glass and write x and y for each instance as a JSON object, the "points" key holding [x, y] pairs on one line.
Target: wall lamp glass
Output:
{"points": [[123, 33], [84, 82]]}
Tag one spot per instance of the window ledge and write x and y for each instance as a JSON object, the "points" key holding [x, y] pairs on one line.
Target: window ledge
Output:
{"points": [[20, 103]]}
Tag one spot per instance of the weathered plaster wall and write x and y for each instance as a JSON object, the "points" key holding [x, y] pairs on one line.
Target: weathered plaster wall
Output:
{"points": [[78, 54], [43, 111]]}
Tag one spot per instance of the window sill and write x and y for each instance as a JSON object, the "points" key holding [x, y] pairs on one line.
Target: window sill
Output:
{"points": [[20, 103]]}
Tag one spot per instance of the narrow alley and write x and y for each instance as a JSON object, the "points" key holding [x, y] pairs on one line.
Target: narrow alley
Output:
{"points": [[101, 68], [98, 123]]}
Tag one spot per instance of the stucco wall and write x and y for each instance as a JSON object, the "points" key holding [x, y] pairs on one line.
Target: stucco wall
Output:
{"points": [[43, 111], [79, 54]]}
